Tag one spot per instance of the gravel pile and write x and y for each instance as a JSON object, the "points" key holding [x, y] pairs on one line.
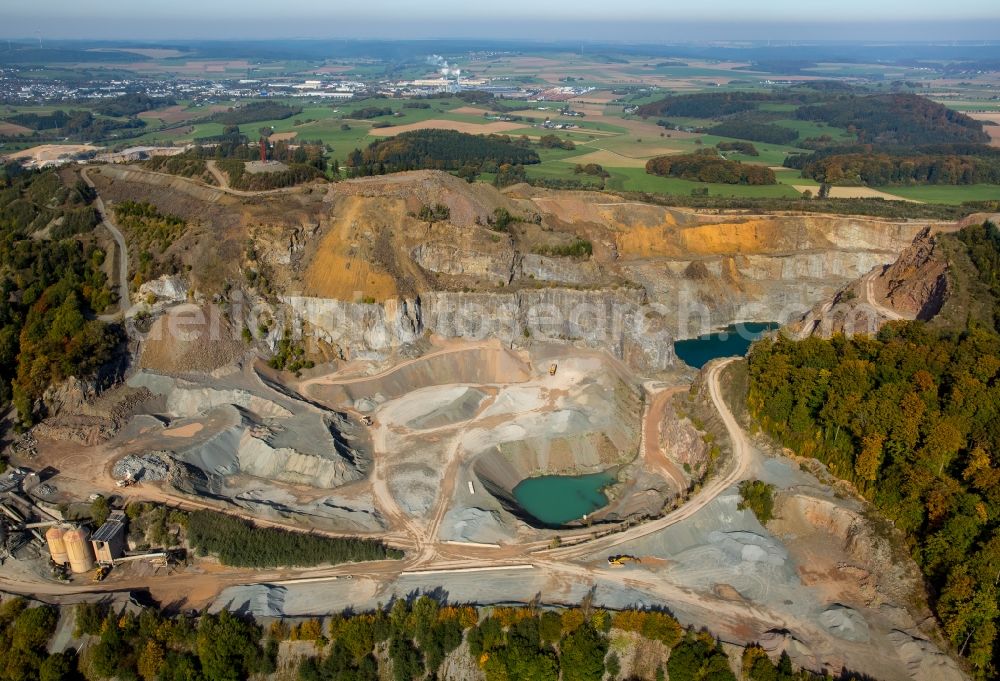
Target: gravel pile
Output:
{"points": [[150, 466]]}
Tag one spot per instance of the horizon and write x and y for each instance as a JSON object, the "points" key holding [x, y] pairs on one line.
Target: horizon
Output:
{"points": [[560, 20]]}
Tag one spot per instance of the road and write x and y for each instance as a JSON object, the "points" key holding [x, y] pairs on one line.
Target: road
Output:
{"points": [[425, 551], [106, 221], [869, 294], [649, 440], [219, 176], [738, 465]]}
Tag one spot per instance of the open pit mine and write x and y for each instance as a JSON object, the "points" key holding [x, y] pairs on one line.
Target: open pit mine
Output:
{"points": [[495, 393]]}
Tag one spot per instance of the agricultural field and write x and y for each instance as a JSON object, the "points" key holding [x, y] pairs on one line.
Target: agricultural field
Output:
{"points": [[608, 133]]}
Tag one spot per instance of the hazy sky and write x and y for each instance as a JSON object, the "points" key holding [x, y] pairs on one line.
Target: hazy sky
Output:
{"points": [[530, 19]]}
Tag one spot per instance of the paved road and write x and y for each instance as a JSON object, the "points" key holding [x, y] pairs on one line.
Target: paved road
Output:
{"points": [[123, 297]]}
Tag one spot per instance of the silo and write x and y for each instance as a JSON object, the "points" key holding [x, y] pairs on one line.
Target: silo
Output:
{"points": [[81, 554], [57, 545]]}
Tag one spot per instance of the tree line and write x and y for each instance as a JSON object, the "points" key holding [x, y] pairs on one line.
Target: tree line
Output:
{"points": [[405, 641], [874, 166], [131, 104], [236, 542], [76, 123]]}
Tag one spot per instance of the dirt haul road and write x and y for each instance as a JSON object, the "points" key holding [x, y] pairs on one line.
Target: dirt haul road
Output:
{"points": [[738, 466], [869, 292], [427, 552], [123, 297]]}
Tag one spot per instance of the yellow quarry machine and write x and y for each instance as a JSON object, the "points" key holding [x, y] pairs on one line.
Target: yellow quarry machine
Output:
{"points": [[552, 369], [622, 559]]}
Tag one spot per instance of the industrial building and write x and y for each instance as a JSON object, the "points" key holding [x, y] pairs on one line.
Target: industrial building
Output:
{"points": [[109, 539]]}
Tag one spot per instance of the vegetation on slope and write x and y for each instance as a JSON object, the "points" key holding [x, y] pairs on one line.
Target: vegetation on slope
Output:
{"points": [[150, 233], [51, 290], [239, 178], [912, 418], [758, 497]]}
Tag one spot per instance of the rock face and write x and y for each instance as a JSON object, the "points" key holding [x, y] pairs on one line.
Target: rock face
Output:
{"points": [[169, 289], [617, 321], [914, 286], [917, 283]]}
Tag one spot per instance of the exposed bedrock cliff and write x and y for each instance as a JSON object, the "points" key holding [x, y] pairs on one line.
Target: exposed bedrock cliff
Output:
{"points": [[915, 286], [618, 321]]}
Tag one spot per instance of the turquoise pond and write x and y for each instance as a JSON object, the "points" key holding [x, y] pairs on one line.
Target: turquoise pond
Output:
{"points": [[559, 499], [732, 341]]}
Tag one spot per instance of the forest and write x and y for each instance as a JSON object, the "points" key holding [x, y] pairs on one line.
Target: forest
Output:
{"points": [[708, 166], [881, 119], [367, 112], [409, 639], [755, 131], [704, 104], [912, 419], [438, 150], [745, 148], [131, 104], [50, 290], [881, 169], [902, 119], [238, 543], [77, 123], [256, 111]]}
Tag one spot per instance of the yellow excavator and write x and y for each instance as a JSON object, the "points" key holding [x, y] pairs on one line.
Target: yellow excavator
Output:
{"points": [[622, 559], [101, 572], [553, 368]]}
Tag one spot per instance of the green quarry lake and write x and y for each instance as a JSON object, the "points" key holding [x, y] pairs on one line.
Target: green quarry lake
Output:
{"points": [[559, 499], [697, 352]]}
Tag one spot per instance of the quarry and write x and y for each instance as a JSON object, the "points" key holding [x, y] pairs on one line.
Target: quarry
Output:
{"points": [[452, 361]]}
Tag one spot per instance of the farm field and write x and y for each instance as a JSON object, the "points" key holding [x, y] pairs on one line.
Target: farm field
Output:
{"points": [[855, 193], [947, 193], [605, 135]]}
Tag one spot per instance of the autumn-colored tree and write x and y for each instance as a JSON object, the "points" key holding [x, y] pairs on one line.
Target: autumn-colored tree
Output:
{"points": [[150, 661]]}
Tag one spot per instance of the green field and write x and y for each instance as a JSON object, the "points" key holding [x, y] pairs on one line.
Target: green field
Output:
{"points": [[946, 193]]}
